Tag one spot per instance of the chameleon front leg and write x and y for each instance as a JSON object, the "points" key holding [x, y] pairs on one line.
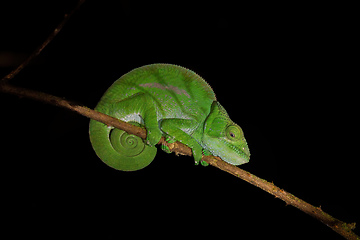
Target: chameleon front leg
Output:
{"points": [[176, 129]]}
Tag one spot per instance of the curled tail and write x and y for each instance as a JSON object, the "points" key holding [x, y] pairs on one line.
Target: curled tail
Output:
{"points": [[118, 149]]}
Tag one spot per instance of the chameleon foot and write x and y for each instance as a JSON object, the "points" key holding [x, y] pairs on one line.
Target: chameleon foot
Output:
{"points": [[203, 163], [205, 153], [165, 148]]}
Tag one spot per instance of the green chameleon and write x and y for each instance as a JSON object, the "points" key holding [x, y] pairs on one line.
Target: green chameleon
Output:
{"points": [[169, 101]]}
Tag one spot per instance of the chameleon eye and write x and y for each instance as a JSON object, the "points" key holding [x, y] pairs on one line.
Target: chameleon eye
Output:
{"points": [[233, 132]]}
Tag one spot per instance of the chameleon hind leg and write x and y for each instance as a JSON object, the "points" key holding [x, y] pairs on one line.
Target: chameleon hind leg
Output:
{"points": [[140, 108], [175, 127]]}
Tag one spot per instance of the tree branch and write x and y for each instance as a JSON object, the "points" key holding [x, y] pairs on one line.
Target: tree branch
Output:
{"points": [[338, 226]]}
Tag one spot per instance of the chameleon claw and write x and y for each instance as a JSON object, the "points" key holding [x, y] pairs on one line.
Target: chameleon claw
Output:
{"points": [[203, 163], [165, 148]]}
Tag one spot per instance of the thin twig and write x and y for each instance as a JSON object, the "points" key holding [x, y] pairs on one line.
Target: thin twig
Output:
{"points": [[13, 73], [338, 226]]}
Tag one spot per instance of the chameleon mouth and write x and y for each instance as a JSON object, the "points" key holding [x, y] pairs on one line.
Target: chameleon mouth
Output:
{"points": [[235, 155]]}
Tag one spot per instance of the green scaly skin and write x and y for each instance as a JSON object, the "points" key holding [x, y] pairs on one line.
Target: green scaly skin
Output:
{"points": [[169, 101]]}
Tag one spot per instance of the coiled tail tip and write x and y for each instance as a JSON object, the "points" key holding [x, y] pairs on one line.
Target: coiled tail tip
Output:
{"points": [[118, 149]]}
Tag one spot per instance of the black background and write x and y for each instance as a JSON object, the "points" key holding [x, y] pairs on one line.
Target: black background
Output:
{"points": [[283, 72]]}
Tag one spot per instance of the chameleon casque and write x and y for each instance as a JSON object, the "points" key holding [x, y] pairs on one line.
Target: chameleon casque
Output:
{"points": [[170, 101]]}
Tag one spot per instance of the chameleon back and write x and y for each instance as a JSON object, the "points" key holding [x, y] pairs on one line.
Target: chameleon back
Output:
{"points": [[175, 90]]}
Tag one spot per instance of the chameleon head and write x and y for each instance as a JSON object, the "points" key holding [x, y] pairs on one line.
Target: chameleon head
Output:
{"points": [[224, 138]]}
